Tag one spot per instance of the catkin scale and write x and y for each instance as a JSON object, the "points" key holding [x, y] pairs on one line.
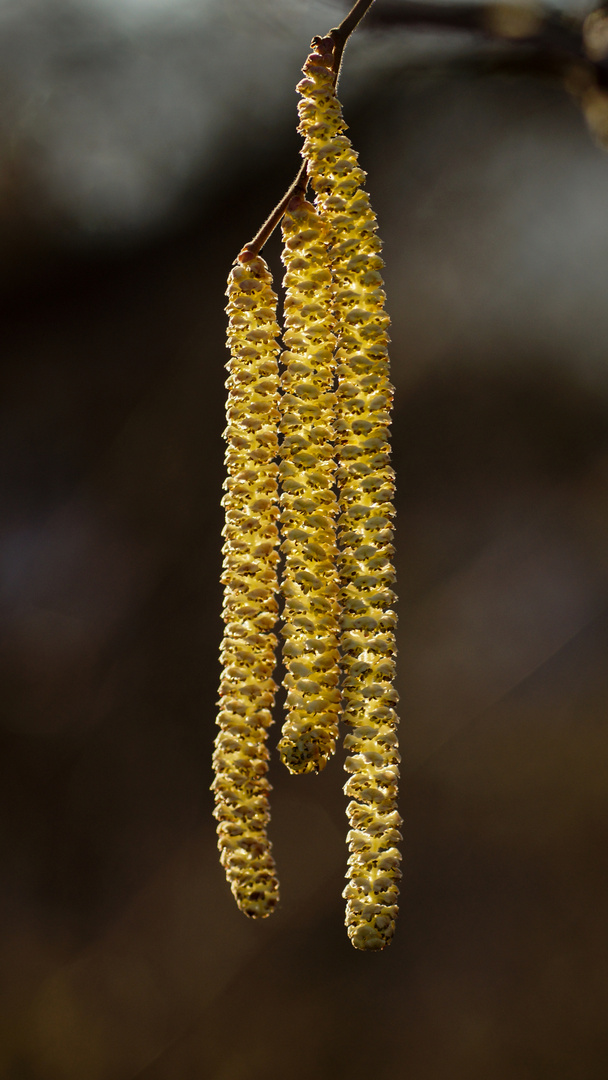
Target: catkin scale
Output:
{"points": [[308, 503], [366, 489], [247, 687]]}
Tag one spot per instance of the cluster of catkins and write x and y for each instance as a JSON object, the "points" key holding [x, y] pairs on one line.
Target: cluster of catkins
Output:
{"points": [[308, 457]]}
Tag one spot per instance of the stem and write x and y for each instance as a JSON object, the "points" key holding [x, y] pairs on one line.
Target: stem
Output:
{"points": [[339, 35], [265, 232]]}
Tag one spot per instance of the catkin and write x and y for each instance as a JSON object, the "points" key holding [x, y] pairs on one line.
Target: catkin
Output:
{"points": [[308, 502], [366, 489], [247, 688]]}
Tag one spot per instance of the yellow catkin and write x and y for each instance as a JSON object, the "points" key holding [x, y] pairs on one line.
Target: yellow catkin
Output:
{"points": [[247, 688], [308, 502], [366, 489]]}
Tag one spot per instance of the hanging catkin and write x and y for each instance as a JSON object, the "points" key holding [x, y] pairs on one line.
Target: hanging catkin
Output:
{"points": [[366, 488], [308, 503], [247, 688]]}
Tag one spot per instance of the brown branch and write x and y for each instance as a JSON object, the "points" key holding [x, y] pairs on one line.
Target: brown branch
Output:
{"points": [[338, 36], [265, 232]]}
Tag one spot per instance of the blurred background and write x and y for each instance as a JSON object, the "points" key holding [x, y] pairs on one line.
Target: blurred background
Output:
{"points": [[142, 142]]}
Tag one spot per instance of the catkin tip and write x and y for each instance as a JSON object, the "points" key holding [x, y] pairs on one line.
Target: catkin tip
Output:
{"points": [[257, 900], [302, 754], [368, 939]]}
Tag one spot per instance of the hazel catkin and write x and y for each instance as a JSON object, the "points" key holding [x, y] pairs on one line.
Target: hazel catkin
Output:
{"points": [[247, 687], [366, 489]]}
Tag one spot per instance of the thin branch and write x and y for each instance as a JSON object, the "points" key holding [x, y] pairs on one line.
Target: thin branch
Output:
{"points": [[265, 232], [340, 34]]}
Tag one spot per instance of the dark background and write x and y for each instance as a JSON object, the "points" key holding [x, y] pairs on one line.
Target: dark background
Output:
{"points": [[142, 145]]}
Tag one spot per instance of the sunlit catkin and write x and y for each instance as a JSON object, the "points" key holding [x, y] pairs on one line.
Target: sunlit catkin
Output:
{"points": [[366, 488], [247, 688], [308, 502]]}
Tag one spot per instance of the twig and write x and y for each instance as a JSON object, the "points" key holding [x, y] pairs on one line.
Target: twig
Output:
{"points": [[340, 34], [265, 232]]}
